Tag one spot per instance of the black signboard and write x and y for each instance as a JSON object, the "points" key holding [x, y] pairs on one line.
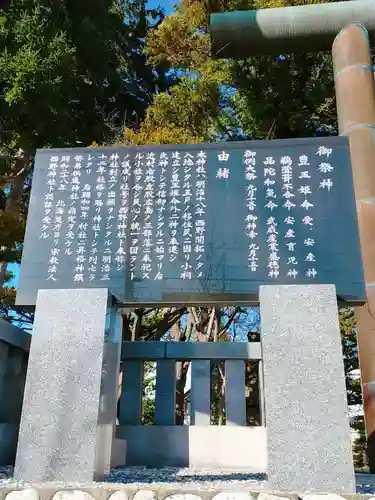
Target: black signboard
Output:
{"points": [[154, 224]]}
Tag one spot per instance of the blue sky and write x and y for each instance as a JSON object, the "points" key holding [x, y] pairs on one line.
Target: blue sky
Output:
{"points": [[166, 4], [14, 268]]}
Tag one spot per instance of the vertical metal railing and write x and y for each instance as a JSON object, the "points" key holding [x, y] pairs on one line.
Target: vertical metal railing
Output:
{"points": [[134, 354]]}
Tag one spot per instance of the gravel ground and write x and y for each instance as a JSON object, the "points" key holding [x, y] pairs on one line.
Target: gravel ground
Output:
{"points": [[189, 479], [176, 478]]}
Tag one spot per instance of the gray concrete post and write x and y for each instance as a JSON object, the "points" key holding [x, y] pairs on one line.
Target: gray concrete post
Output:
{"points": [[58, 431], [309, 445]]}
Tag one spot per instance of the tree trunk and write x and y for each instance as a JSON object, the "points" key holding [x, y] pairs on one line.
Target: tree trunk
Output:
{"points": [[13, 201], [221, 409], [181, 372]]}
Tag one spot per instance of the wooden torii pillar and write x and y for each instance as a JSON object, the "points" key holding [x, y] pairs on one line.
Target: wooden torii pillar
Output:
{"points": [[346, 27]]}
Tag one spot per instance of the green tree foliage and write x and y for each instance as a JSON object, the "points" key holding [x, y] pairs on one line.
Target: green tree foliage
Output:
{"points": [[353, 383], [349, 345], [149, 388], [256, 98], [70, 73], [359, 445]]}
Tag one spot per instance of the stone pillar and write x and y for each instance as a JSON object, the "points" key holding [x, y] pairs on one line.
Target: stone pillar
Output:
{"points": [[108, 401], [309, 445], [58, 431]]}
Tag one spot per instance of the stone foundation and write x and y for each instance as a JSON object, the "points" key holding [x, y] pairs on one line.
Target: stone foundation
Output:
{"points": [[105, 491], [170, 484]]}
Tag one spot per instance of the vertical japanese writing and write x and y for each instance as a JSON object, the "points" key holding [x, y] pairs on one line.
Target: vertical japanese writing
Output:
{"points": [[223, 172], [75, 188], [249, 161], [148, 227], [123, 213], [288, 199], [161, 206], [47, 220], [49, 197], [269, 182], [80, 235], [200, 211], [96, 222], [136, 209], [307, 221], [174, 208], [89, 164], [273, 247], [187, 217], [109, 227], [325, 168], [60, 208], [272, 242]]}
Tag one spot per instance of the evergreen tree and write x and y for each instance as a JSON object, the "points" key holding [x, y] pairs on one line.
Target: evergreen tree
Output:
{"points": [[70, 73], [256, 98]]}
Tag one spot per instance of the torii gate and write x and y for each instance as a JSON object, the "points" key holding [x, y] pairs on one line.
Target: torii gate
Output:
{"points": [[344, 26]]}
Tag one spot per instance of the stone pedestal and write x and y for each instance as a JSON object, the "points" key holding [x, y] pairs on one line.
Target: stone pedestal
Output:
{"points": [[309, 445], [58, 431], [108, 401]]}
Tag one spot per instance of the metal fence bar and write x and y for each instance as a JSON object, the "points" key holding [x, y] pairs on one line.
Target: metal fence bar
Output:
{"points": [[148, 351], [213, 350], [14, 336], [182, 351], [165, 404], [200, 396], [235, 392], [131, 394]]}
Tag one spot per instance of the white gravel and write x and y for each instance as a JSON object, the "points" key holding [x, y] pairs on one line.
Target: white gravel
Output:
{"points": [[190, 479], [176, 478]]}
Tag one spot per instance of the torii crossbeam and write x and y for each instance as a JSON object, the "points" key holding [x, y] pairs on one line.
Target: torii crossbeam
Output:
{"points": [[347, 28]]}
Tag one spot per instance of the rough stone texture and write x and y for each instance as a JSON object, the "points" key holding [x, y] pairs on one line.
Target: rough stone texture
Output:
{"points": [[26, 494], [107, 491], [72, 495], [331, 496], [309, 446], [233, 495], [124, 484], [145, 495], [183, 496], [119, 495], [269, 496], [60, 411]]}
